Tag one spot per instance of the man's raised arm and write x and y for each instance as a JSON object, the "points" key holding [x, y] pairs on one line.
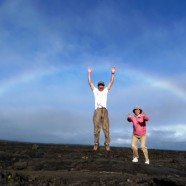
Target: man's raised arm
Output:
{"points": [[89, 78], [112, 78]]}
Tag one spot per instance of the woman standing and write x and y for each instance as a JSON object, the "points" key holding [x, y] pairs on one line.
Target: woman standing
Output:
{"points": [[139, 133]]}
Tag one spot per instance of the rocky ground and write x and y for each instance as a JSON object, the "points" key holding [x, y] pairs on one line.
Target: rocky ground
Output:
{"points": [[76, 165]]}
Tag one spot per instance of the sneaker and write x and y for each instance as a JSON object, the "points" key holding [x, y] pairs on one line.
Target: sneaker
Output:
{"points": [[135, 160], [147, 162], [95, 148], [107, 148]]}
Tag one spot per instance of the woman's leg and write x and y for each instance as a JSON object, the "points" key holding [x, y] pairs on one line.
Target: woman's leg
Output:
{"points": [[143, 147], [134, 146]]}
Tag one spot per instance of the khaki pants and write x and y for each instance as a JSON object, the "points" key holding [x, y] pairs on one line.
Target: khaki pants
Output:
{"points": [[101, 117], [142, 140]]}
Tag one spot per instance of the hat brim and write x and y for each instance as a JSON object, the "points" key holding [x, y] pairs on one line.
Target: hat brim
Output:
{"points": [[101, 84], [137, 109]]}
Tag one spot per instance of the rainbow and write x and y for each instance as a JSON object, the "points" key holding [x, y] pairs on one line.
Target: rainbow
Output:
{"points": [[158, 83], [151, 81], [24, 77]]}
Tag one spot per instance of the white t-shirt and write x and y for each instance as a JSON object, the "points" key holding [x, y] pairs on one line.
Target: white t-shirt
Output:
{"points": [[100, 98]]}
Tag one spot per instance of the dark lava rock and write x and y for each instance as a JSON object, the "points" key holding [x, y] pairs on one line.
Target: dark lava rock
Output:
{"points": [[20, 165], [26, 164]]}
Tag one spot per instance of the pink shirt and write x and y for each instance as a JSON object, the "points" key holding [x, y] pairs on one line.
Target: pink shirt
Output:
{"points": [[139, 124]]}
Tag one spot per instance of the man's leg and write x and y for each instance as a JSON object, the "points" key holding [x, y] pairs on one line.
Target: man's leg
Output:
{"points": [[134, 146], [105, 126], [97, 127], [143, 147]]}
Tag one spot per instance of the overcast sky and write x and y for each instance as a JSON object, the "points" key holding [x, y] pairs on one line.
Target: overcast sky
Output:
{"points": [[46, 47]]}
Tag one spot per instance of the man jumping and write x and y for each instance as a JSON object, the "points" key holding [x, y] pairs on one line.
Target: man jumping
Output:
{"points": [[101, 112]]}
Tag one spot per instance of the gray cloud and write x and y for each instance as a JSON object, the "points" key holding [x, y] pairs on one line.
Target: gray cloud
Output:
{"points": [[47, 125]]}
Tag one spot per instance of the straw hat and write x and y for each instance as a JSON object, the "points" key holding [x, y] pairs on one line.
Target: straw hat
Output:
{"points": [[137, 107]]}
